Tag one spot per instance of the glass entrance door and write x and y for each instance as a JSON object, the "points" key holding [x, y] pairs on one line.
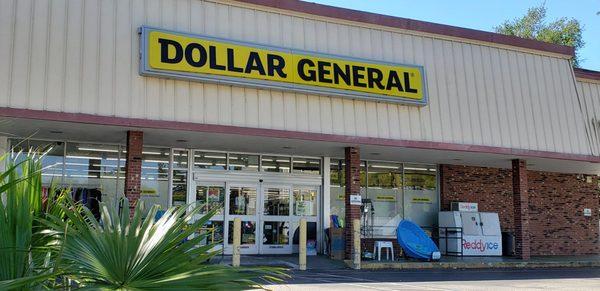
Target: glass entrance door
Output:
{"points": [[212, 196], [242, 202], [270, 214], [275, 220]]}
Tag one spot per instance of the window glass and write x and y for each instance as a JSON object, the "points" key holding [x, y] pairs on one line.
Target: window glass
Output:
{"points": [[337, 185], [215, 232], [307, 166], [420, 194], [155, 177], [305, 202], [91, 171], [337, 172], [52, 162], [276, 164], [180, 159], [337, 188], [210, 160], [277, 201], [248, 236], [276, 232], [242, 200], [242, 162], [121, 175], [384, 192], [311, 234], [179, 190], [211, 197]]}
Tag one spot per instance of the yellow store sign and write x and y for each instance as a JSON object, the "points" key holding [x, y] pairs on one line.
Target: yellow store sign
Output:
{"points": [[178, 55]]}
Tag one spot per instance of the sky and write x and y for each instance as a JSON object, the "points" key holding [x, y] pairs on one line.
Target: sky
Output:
{"points": [[486, 14]]}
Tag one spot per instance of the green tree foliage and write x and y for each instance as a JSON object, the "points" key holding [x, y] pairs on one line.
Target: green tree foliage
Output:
{"points": [[533, 25]]}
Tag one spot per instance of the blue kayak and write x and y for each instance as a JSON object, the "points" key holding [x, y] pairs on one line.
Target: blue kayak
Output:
{"points": [[415, 242]]}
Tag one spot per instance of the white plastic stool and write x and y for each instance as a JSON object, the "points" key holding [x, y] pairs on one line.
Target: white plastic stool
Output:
{"points": [[387, 245]]}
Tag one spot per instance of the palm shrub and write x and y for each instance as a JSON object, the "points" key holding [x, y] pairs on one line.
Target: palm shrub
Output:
{"points": [[54, 242], [27, 251], [142, 253]]}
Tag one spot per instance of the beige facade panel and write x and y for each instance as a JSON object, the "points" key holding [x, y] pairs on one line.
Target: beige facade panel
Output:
{"points": [[82, 56], [589, 94]]}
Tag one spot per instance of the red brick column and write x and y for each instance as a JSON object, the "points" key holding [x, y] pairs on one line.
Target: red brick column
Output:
{"points": [[133, 167], [521, 208], [352, 171]]}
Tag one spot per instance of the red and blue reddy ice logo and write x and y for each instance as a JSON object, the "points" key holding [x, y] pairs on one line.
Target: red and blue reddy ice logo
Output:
{"points": [[479, 245]]}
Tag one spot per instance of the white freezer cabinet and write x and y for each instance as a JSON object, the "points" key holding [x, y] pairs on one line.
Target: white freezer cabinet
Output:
{"points": [[480, 232]]}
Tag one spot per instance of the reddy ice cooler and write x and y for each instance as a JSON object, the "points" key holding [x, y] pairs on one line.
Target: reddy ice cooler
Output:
{"points": [[481, 234]]}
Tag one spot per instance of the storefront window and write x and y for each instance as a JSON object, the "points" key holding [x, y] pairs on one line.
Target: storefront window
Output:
{"points": [[121, 175], [277, 201], [179, 188], [395, 191], [242, 201], [305, 202], [155, 177], [248, 236], [420, 194], [307, 166], [276, 164], [91, 172], [210, 160], [276, 233], [211, 197], [214, 229], [243, 162], [385, 194], [337, 185], [53, 157], [180, 159]]}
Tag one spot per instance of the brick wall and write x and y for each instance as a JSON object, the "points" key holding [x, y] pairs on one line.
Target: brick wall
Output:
{"points": [[352, 187], [556, 202], [133, 167], [520, 195], [556, 221], [468, 184]]}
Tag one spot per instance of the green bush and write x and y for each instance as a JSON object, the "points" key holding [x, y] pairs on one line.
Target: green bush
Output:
{"points": [[55, 242]]}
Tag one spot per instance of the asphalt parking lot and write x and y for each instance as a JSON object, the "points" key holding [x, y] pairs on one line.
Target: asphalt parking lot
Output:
{"points": [[495, 279]]}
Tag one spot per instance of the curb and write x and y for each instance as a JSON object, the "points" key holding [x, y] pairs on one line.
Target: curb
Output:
{"points": [[467, 265]]}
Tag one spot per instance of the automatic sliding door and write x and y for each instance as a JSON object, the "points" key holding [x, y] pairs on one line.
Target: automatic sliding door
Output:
{"points": [[275, 220], [242, 204], [212, 196], [305, 201]]}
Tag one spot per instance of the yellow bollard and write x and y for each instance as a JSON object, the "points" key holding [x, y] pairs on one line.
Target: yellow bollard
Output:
{"points": [[356, 244], [237, 239], [302, 259]]}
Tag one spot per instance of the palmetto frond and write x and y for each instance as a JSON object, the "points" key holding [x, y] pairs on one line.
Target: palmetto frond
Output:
{"points": [[143, 253]]}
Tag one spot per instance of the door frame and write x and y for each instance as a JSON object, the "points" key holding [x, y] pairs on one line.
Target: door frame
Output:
{"points": [[275, 248], [217, 218], [261, 180], [245, 249]]}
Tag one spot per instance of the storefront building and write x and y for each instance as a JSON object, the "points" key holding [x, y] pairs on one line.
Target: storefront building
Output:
{"points": [[279, 110]]}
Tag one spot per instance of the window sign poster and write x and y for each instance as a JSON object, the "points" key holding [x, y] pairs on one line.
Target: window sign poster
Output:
{"points": [[303, 208], [149, 192], [421, 200], [355, 200], [213, 195]]}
